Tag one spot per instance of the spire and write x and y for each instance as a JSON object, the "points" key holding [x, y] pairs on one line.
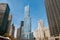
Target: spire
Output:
{"points": [[27, 11], [27, 8]]}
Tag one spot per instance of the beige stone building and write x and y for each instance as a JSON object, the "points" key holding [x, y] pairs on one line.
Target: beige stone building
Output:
{"points": [[46, 33], [42, 33], [53, 15]]}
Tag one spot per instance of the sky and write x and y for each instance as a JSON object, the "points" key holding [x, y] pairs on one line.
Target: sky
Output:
{"points": [[37, 11]]}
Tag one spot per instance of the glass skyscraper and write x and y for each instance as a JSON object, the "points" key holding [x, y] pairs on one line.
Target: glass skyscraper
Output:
{"points": [[27, 24]]}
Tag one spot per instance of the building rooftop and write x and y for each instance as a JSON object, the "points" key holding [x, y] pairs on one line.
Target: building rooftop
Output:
{"points": [[3, 7], [3, 3]]}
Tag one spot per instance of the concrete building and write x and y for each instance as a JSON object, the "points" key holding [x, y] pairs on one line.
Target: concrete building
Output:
{"points": [[32, 36], [46, 33], [9, 23], [12, 30], [19, 31], [4, 13], [53, 15], [42, 33], [52, 7], [18, 34], [39, 35]]}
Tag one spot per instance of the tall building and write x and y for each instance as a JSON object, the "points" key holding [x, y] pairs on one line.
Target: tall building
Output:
{"points": [[9, 23], [42, 33], [32, 36], [13, 30], [19, 31], [46, 33], [18, 34], [39, 34], [27, 24], [4, 13], [53, 15]]}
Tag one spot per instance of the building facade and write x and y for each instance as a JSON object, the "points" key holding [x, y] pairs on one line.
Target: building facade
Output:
{"points": [[42, 33], [19, 31], [26, 30], [18, 34], [53, 15], [32, 36], [9, 24], [39, 35], [46, 33], [4, 13], [13, 30]]}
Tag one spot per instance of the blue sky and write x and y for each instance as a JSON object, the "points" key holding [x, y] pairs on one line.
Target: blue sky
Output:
{"points": [[37, 11]]}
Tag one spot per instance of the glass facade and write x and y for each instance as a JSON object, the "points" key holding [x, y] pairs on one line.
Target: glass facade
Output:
{"points": [[27, 24]]}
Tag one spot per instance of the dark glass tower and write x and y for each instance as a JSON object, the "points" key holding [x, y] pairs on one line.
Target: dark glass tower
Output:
{"points": [[4, 12], [53, 14]]}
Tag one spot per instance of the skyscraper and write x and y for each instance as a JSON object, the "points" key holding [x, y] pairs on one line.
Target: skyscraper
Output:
{"points": [[32, 36], [18, 34], [42, 33], [39, 34], [19, 31], [53, 15], [9, 23], [13, 30], [4, 12], [27, 24]]}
